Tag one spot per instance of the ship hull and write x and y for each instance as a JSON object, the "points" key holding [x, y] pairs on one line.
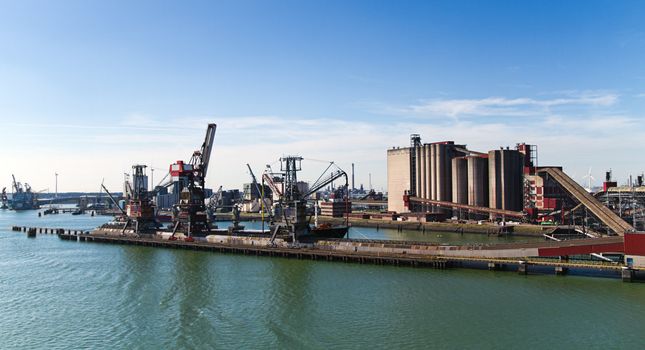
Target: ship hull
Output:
{"points": [[329, 232]]}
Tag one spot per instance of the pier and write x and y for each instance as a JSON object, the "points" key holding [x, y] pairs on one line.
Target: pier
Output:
{"points": [[395, 253]]}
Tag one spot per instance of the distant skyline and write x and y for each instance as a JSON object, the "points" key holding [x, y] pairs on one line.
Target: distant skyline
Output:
{"points": [[88, 88]]}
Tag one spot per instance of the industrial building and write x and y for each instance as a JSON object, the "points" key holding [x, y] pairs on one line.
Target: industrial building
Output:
{"points": [[433, 177], [449, 179], [399, 170]]}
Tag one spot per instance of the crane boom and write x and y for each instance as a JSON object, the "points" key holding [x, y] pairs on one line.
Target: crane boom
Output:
{"points": [[191, 214], [15, 184], [207, 147], [333, 176], [113, 200], [257, 188], [272, 185]]}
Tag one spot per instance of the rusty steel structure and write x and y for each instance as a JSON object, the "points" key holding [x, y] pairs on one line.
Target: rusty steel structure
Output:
{"points": [[190, 214], [291, 208]]}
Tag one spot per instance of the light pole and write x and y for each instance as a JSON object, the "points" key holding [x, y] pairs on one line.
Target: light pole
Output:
{"points": [[56, 186]]}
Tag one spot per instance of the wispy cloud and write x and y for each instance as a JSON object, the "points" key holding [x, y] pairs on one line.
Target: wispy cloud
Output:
{"points": [[580, 130], [501, 106]]}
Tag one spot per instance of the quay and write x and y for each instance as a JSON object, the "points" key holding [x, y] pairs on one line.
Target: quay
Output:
{"points": [[377, 252]]}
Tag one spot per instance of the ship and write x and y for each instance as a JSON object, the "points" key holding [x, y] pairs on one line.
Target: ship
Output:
{"points": [[329, 231], [23, 198]]}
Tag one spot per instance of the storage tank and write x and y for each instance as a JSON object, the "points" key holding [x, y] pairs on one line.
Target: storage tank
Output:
{"points": [[477, 181], [421, 159], [460, 180], [433, 171], [513, 180], [440, 172], [447, 173], [494, 180], [505, 179], [417, 171], [427, 178]]}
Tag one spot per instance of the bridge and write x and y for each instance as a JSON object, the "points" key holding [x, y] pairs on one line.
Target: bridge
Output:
{"points": [[59, 200], [604, 214]]}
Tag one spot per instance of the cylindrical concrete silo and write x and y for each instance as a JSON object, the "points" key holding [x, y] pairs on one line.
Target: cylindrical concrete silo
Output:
{"points": [[421, 171], [417, 170], [433, 171], [460, 180], [494, 180], [505, 179], [512, 177], [448, 155], [428, 177], [440, 171], [478, 181]]}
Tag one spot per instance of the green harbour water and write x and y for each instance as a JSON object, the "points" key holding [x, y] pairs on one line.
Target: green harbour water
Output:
{"points": [[58, 294]]}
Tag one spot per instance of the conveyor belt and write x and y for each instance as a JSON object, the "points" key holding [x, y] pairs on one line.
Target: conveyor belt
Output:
{"points": [[486, 210], [604, 214]]}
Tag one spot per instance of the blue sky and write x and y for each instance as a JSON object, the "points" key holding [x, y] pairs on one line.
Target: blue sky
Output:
{"points": [[88, 88]]}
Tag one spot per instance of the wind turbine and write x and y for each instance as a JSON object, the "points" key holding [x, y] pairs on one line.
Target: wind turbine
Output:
{"points": [[589, 178]]}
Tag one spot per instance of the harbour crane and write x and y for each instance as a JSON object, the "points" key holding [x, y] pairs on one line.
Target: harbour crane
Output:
{"points": [[213, 204], [17, 187], [190, 214], [139, 213], [261, 193], [22, 196], [293, 200]]}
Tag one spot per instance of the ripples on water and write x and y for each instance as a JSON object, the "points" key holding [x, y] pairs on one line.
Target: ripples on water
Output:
{"points": [[59, 294]]}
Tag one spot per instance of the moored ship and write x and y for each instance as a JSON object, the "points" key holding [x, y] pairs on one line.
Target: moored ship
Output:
{"points": [[23, 198]]}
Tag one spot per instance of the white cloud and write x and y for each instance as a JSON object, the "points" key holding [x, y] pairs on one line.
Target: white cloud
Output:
{"points": [[502, 106], [577, 137], [84, 158]]}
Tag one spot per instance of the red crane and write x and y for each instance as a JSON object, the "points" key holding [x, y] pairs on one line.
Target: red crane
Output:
{"points": [[190, 214]]}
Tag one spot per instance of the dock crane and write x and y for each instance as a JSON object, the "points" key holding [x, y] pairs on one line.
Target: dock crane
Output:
{"points": [[139, 212], [16, 186], [22, 196], [261, 194], [190, 214], [292, 199], [213, 204]]}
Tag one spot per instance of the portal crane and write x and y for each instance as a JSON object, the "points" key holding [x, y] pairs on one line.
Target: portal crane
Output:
{"points": [[17, 187], [189, 215], [23, 198], [293, 199], [213, 204], [139, 213], [261, 194]]}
